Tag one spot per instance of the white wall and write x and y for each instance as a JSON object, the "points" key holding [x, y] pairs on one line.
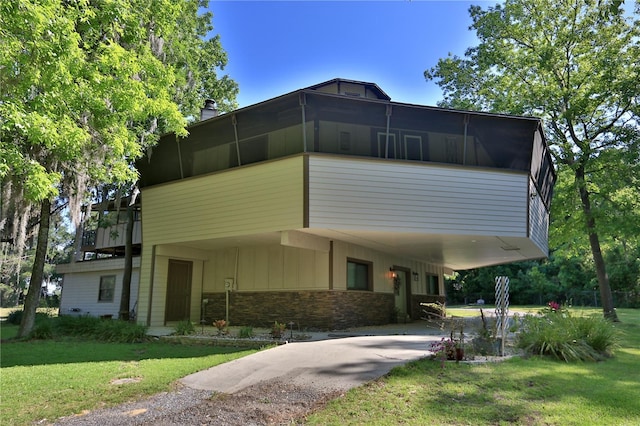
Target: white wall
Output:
{"points": [[405, 197], [538, 220], [81, 284]]}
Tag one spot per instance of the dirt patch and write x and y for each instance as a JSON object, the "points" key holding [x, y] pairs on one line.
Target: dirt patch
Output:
{"points": [[269, 403]]}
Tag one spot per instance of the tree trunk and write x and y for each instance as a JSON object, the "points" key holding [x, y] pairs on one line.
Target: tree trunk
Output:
{"points": [[601, 271], [37, 272], [128, 266]]}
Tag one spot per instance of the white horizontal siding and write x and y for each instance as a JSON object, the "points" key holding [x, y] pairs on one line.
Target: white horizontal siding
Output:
{"points": [[80, 289], [538, 221], [404, 197], [261, 198]]}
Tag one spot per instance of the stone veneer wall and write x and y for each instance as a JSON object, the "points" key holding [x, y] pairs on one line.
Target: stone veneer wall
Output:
{"points": [[309, 310], [417, 299]]}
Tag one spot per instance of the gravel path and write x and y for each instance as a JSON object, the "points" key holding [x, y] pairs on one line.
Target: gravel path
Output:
{"points": [[267, 403]]}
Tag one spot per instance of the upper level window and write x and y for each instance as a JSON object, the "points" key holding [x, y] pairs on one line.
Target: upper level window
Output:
{"points": [[359, 274], [107, 288]]}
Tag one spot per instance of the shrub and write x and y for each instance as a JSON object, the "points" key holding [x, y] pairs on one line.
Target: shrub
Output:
{"points": [[183, 328], [120, 331], [15, 317], [245, 332], [42, 329], [560, 335]]}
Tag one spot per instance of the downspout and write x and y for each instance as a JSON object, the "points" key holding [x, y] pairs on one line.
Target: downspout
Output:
{"points": [[235, 282], [386, 142], [303, 102], [151, 279], [464, 152], [202, 302], [179, 158], [234, 121]]}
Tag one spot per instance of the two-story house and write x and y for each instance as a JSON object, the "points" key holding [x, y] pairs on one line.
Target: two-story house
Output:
{"points": [[333, 206]]}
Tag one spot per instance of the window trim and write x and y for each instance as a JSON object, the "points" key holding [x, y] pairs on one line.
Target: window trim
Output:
{"points": [[369, 266], [103, 279]]}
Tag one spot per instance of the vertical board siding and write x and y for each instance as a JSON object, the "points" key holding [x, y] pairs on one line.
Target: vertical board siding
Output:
{"points": [[263, 268], [538, 221], [261, 198], [405, 197], [381, 263]]}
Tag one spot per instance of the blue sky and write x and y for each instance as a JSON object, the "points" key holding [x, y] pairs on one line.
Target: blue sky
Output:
{"points": [[275, 47]]}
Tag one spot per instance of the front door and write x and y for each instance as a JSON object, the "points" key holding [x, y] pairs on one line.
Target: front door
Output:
{"points": [[401, 283], [178, 303]]}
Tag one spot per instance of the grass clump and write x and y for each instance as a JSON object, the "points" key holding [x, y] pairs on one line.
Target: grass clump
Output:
{"points": [[245, 332], [561, 335], [184, 328]]}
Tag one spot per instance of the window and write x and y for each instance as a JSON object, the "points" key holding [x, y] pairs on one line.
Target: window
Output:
{"points": [[432, 282], [385, 151], [359, 275], [345, 141], [107, 288], [413, 147]]}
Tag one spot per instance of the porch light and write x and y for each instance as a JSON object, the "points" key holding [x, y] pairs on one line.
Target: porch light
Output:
{"points": [[416, 276], [393, 273]]}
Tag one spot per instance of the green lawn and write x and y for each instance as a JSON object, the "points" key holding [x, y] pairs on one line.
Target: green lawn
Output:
{"points": [[520, 391], [49, 379], [63, 377]]}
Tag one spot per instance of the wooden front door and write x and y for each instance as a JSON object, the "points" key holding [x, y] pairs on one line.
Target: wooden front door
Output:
{"points": [[178, 303]]}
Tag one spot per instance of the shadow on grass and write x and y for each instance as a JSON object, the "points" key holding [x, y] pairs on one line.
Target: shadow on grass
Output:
{"points": [[69, 351], [526, 391]]}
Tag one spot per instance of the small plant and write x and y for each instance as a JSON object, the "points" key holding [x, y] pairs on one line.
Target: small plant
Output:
{"points": [[278, 329], [246, 332], [444, 349], [183, 328], [221, 325], [483, 343]]}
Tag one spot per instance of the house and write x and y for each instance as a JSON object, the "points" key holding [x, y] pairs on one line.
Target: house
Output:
{"points": [[333, 206], [92, 283]]}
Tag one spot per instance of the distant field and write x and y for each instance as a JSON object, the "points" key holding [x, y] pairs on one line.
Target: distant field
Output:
{"points": [[474, 310]]}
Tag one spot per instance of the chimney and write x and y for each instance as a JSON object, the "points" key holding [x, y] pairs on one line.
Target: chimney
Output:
{"points": [[209, 110]]}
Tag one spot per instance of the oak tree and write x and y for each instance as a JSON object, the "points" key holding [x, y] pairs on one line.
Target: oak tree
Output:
{"points": [[84, 88], [575, 64]]}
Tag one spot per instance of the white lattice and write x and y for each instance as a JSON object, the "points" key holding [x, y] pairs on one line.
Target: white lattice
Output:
{"points": [[502, 308]]}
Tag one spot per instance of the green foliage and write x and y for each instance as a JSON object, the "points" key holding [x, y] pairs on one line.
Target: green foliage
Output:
{"points": [[278, 329], [184, 328], [16, 316], [87, 87], [566, 337], [105, 330], [574, 64], [43, 329], [246, 332]]}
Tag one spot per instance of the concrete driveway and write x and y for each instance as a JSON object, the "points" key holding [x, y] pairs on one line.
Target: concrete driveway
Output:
{"points": [[331, 364]]}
